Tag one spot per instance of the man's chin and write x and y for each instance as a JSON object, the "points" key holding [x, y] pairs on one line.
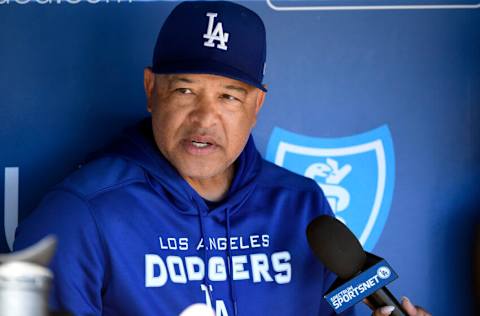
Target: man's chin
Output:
{"points": [[203, 173], [200, 176]]}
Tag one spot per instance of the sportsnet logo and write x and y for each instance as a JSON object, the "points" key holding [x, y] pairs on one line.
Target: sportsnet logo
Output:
{"points": [[361, 286], [356, 174]]}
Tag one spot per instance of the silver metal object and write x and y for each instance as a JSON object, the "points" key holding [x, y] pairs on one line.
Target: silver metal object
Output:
{"points": [[25, 280]]}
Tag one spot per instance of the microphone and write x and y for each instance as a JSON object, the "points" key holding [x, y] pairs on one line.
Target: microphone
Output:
{"points": [[360, 274]]}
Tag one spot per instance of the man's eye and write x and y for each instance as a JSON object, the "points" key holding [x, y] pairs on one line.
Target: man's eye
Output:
{"points": [[229, 97], [184, 91]]}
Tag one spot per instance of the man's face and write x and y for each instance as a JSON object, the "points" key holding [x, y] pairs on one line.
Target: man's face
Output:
{"points": [[201, 122]]}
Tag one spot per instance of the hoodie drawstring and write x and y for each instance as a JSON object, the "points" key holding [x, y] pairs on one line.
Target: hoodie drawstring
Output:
{"points": [[229, 269], [233, 296], [205, 255]]}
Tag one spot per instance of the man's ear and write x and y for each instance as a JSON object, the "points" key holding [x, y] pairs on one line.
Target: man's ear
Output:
{"points": [[258, 105], [260, 99], [148, 85]]}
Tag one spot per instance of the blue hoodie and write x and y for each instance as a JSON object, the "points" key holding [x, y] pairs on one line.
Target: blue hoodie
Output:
{"points": [[136, 239]]}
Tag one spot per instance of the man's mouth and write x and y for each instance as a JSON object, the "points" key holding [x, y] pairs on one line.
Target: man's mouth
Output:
{"points": [[200, 144]]}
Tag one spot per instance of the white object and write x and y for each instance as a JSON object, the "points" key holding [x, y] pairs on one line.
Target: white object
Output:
{"points": [[197, 310], [24, 289]]}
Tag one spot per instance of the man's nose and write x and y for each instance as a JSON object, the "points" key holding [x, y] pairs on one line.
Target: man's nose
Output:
{"points": [[205, 112]]}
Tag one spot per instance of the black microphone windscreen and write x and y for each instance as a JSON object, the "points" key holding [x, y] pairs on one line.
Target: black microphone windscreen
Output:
{"points": [[336, 246]]}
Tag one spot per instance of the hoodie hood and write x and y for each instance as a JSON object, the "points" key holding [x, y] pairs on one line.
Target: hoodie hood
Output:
{"points": [[137, 144]]}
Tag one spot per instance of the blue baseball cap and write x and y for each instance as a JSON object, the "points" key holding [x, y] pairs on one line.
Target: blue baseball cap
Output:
{"points": [[212, 37]]}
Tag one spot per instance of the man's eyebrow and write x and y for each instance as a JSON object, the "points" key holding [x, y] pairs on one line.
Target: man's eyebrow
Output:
{"points": [[181, 79], [173, 80], [236, 88]]}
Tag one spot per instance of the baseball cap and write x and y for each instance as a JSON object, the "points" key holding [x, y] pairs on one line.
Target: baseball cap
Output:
{"points": [[212, 37]]}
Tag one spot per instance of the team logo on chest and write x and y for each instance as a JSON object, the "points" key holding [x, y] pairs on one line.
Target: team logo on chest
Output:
{"points": [[215, 33]]}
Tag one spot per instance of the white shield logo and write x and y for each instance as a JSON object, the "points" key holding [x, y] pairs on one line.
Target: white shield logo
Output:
{"points": [[356, 174]]}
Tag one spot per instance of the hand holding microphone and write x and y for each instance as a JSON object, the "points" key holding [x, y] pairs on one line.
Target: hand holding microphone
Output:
{"points": [[362, 276], [407, 306]]}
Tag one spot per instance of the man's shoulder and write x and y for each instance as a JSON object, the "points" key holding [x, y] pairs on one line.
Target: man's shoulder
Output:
{"points": [[276, 176], [65, 210], [102, 175]]}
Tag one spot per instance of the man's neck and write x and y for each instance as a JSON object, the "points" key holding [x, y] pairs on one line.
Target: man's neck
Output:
{"points": [[215, 188]]}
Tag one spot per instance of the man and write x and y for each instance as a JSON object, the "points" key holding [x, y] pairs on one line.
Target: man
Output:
{"points": [[182, 209]]}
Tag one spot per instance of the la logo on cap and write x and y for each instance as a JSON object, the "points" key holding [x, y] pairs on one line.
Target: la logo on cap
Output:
{"points": [[215, 34]]}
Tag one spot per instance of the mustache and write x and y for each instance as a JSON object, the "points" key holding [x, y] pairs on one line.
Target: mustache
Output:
{"points": [[203, 135]]}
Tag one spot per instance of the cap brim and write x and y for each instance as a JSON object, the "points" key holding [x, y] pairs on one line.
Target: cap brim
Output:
{"points": [[206, 67]]}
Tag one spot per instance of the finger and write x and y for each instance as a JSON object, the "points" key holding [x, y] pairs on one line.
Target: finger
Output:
{"points": [[422, 312], [384, 311], [366, 301], [408, 306]]}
